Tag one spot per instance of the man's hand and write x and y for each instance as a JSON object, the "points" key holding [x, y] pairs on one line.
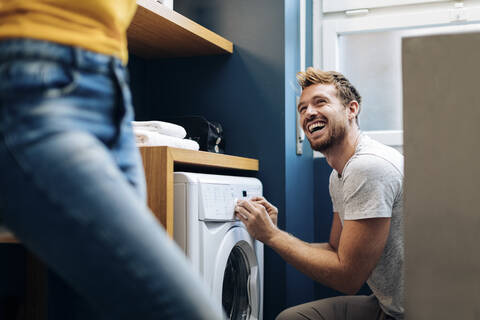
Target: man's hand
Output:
{"points": [[271, 209], [257, 220]]}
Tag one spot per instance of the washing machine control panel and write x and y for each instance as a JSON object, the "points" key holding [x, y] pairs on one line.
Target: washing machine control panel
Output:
{"points": [[217, 201]]}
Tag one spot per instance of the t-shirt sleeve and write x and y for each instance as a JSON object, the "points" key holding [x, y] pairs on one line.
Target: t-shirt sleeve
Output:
{"points": [[370, 187]]}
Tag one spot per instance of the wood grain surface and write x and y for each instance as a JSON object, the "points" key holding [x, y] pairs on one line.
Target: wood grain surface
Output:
{"points": [[159, 32]]}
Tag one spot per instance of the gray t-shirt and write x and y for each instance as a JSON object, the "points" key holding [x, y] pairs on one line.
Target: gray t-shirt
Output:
{"points": [[371, 187]]}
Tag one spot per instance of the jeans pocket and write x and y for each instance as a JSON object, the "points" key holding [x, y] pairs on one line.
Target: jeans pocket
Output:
{"points": [[47, 79]]}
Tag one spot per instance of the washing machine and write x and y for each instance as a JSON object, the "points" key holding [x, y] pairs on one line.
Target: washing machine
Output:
{"points": [[217, 244]]}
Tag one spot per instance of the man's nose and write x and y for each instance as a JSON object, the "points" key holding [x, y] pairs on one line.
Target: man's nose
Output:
{"points": [[310, 111]]}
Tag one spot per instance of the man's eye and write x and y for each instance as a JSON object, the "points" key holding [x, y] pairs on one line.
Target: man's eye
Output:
{"points": [[319, 101], [302, 109]]}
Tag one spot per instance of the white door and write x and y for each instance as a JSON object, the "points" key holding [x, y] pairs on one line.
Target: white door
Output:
{"points": [[236, 280]]}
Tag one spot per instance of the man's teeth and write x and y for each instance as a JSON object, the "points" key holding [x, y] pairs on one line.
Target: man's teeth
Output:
{"points": [[316, 126]]}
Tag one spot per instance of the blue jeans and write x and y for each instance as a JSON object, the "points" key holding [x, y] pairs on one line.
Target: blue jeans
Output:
{"points": [[72, 187]]}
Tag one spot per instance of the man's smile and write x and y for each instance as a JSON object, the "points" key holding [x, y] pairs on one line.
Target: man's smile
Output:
{"points": [[316, 126]]}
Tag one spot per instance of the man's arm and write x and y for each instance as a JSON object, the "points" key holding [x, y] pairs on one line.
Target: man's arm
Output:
{"points": [[345, 268], [335, 231]]}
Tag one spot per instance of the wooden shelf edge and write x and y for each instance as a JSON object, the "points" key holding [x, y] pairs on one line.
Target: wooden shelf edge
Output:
{"points": [[214, 160], [157, 31], [7, 237], [210, 159]]}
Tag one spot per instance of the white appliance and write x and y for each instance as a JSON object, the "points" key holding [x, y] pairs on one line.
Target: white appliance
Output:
{"points": [[217, 244]]}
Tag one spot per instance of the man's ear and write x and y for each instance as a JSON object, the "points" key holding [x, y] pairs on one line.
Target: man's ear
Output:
{"points": [[352, 109]]}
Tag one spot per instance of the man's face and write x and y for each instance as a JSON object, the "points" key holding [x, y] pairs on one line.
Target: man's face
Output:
{"points": [[323, 116]]}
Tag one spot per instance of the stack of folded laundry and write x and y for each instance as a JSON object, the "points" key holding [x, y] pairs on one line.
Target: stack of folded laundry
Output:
{"points": [[159, 133]]}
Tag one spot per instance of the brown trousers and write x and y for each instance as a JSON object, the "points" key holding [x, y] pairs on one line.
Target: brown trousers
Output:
{"points": [[337, 308]]}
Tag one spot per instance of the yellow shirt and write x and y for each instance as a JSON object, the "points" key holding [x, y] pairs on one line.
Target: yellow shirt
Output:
{"points": [[96, 25]]}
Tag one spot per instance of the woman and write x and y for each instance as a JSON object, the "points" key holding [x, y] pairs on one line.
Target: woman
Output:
{"points": [[72, 184]]}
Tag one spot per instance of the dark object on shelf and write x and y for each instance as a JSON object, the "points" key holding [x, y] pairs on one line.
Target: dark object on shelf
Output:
{"points": [[208, 134]]}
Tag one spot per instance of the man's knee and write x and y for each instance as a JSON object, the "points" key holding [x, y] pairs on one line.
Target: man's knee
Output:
{"points": [[300, 312], [319, 309], [289, 314], [364, 307]]}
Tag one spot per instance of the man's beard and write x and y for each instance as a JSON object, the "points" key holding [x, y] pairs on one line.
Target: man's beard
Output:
{"points": [[335, 137]]}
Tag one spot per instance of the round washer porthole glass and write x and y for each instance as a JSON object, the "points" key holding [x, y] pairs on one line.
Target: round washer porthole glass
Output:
{"points": [[235, 297]]}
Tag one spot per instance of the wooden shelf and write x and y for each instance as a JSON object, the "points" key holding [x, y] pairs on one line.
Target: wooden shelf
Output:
{"points": [[159, 32], [214, 160], [159, 165], [7, 237]]}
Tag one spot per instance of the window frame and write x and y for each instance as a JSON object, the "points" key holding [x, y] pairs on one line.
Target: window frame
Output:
{"points": [[343, 5], [328, 27]]}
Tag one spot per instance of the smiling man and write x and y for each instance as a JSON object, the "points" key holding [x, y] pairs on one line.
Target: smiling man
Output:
{"points": [[366, 238]]}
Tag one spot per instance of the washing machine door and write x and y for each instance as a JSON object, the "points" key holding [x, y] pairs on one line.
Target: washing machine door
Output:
{"points": [[237, 276]]}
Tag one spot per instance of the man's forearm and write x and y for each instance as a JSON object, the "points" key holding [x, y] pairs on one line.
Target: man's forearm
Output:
{"points": [[317, 260], [323, 245]]}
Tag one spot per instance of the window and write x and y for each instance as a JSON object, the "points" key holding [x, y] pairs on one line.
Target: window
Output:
{"points": [[362, 39], [343, 5]]}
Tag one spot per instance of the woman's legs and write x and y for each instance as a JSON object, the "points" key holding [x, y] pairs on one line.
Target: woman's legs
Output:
{"points": [[68, 200]]}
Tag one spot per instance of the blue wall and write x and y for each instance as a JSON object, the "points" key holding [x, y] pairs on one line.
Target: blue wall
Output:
{"points": [[245, 92], [299, 169], [252, 94]]}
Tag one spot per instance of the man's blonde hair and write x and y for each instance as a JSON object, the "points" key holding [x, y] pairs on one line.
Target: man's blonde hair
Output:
{"points": [[345, 90]]}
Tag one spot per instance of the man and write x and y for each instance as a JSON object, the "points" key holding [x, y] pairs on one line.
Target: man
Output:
{"points": [[366, 238]]}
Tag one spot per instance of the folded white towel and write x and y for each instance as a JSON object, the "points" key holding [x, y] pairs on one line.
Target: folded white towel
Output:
{"points": [[166, 128], [146, 138]]}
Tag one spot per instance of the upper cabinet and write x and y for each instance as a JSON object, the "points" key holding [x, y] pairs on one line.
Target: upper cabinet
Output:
{"points": [[159, 32]]}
